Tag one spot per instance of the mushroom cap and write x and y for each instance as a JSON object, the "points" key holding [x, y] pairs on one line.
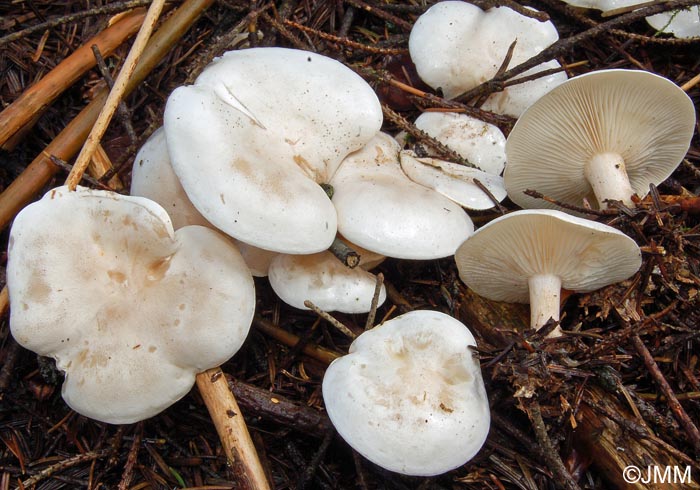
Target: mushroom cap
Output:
{"points": [[499, 258], [250, 148], [153, 177], [681, 23], [130, 309], [478, 142], [409, 396], [456, 46], [645, 118], [454, 181], [379, 208], [324, 280]]}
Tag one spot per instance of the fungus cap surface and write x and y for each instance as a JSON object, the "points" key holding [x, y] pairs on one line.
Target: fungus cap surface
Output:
{"points": [[250, 148], [130, 309], [409, 396], [480, 143], [457, 46], [380, 209], [322, 279]]}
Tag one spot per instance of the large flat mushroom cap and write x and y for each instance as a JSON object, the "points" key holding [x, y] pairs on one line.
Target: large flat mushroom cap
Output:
{"points": [[379, 208], [409, 396], [130, 309], [643, 117], [257, 132], [499, 258]]}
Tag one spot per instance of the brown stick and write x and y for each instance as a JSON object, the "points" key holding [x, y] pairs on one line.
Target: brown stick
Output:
{"points": [[676, 408], [232, 429], [563, 478], [115, 95], [69, 141], [40, 95], [290, 340]]}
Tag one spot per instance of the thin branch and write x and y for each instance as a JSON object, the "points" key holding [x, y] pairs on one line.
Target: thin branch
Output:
{"points": [[673, 403]]}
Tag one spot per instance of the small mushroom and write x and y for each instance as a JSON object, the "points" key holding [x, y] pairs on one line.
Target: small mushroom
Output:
{"points": [[250, 148], [481, 144], [322, 279], [409, 395], [529, 256], [605, 135], [457, 46], [130, 309], [380, 209]]}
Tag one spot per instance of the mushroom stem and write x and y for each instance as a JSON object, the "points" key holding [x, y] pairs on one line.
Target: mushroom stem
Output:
{"points": [[608, 177], [545, 292], [232, 429]]}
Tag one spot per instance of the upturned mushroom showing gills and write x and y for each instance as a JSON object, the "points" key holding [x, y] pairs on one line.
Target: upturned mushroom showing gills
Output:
{"points": [[258, 131], [457, 46], [529, 256], [130, 309], [409, 396], [605, 135]]}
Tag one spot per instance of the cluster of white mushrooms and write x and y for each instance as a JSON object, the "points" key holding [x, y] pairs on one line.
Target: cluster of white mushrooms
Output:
{"points": [[261, 173]]}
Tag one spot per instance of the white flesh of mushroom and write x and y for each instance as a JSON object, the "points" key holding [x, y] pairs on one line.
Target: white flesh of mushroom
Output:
{"points": [[409, 396], [130, 309]]}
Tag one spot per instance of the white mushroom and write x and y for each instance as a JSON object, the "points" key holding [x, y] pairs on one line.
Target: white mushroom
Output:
{"points": [[409, 396], [130, 309], [681, 23], [322, 279], [251, 140], [528, 256], [381, 209], [479, 143], [454, 181], [604, 135], [457, 46]]}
